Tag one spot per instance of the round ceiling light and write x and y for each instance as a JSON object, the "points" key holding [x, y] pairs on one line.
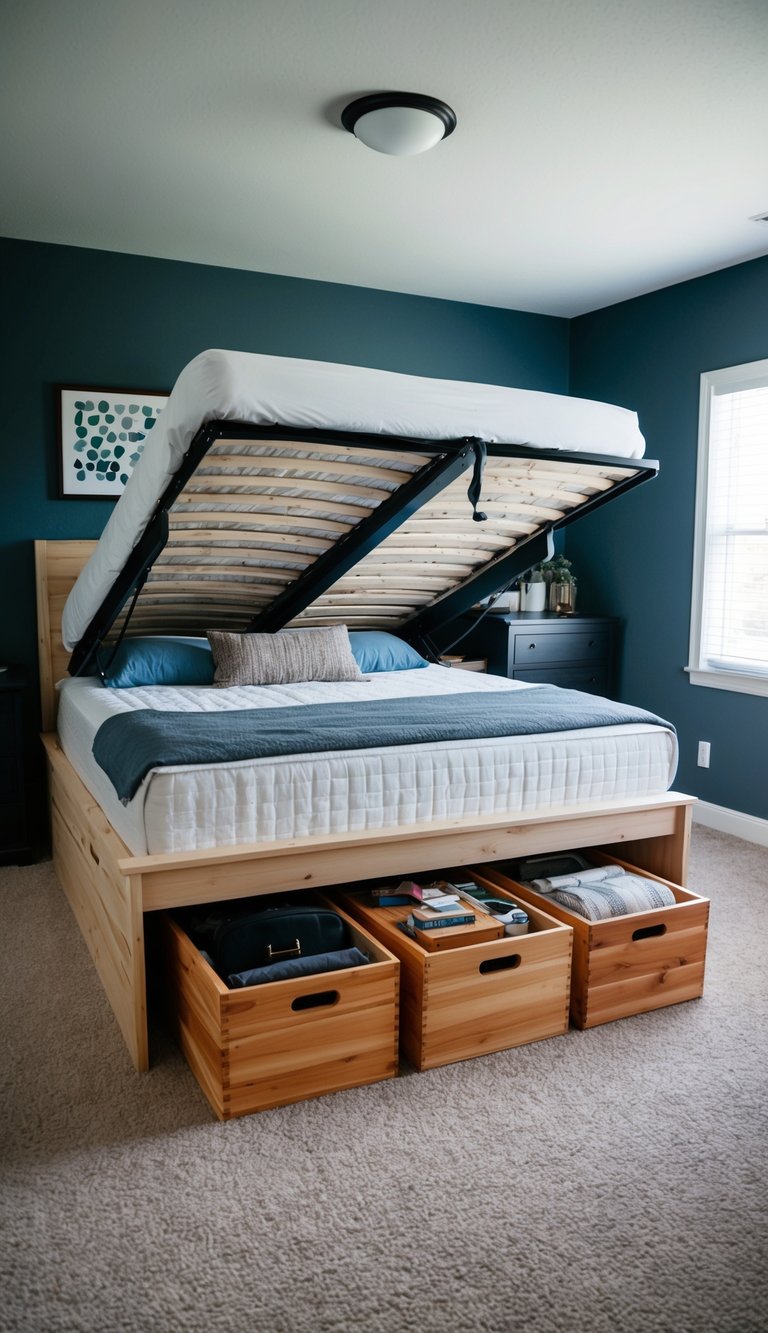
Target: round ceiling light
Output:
{"points": [[400, 124]]}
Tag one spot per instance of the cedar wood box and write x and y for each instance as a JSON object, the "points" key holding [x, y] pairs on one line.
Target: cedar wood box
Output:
{"points": [[284, 1041], [628, 964], [477, 998]]}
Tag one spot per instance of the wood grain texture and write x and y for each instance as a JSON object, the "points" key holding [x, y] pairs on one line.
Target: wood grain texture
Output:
{"points": [[253, 1049], [452, 1008], [106, 903], [618, 968], [175, 878], [57, 566]]}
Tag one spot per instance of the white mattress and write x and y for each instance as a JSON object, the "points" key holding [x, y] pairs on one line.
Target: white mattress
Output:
{"points": [[187, 807], [268, 390]]}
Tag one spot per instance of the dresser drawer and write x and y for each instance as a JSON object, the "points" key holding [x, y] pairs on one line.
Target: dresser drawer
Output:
{"points": [[14, 768], [528, 650], [10, 744], [589, 679], [13, 831], [577, 652]]}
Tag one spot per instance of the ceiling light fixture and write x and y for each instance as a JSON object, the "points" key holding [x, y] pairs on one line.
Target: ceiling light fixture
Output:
{"points": [[400, 124]]}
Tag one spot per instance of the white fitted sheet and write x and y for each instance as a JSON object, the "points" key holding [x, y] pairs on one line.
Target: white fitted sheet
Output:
{"points": [[186, 807], [286, 391]]}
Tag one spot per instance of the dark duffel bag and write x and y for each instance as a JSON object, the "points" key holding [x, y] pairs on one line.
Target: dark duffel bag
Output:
{"points": [[274, 934]]}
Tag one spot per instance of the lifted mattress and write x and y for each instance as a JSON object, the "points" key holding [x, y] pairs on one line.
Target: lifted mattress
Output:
{"points": [[274, 491]]}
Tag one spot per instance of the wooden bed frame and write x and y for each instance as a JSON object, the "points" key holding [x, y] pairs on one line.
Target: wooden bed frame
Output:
{"points": [[110, 890]]}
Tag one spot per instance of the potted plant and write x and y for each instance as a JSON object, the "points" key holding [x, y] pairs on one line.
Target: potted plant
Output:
{"points": [[561, 585]]}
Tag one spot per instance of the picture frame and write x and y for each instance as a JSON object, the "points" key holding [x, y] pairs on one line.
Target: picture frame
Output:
{"points": [[101, 435]]}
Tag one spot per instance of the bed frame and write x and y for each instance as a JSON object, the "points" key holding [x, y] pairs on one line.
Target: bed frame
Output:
{"points": [[110, 890]]}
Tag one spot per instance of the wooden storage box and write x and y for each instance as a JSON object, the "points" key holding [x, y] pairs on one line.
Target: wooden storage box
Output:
{"points": [[461, 1002], [628, 964], [285, 1041]]}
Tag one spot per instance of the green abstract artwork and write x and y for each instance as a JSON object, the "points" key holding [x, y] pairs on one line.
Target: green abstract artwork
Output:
{"points": [[102, 435]]}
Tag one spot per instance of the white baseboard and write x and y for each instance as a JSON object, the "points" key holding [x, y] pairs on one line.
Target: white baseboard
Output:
{"points": [[724, 820]]}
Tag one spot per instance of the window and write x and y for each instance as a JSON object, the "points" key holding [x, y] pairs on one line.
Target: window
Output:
{"points": [[729, 611]]}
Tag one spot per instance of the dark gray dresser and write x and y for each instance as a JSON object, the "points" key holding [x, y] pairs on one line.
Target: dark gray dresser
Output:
{"points": [[577, 652], [15, 837]]}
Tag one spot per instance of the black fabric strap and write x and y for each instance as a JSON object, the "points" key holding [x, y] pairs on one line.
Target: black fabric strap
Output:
{"points": [[476, 484], [104, 670]]}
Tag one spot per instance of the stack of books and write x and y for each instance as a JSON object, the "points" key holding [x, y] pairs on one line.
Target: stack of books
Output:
{"points": [[441, 914]]}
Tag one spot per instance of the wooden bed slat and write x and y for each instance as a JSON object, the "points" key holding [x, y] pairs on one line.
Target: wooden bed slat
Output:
{"points": [[235, 519], [216, 463], [316, 448]]}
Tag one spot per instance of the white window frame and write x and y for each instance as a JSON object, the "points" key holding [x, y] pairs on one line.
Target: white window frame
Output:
{"points": [[733, 378]]}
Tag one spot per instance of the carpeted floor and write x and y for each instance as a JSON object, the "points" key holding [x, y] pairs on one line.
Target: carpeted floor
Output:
{"points": [[611, 1181]]}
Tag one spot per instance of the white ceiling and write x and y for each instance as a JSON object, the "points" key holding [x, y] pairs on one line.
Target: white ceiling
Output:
{"points": [[604, 147]]}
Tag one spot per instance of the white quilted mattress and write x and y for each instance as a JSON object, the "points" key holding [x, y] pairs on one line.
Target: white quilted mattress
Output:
{"points": [[188, 807]]}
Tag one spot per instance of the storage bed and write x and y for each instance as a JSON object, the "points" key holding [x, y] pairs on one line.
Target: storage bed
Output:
{"points": [[244, 519]]}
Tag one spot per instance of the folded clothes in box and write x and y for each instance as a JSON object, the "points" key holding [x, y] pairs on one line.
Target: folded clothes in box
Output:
{"points": [[312, 965], [280, 939], [605, 891]]}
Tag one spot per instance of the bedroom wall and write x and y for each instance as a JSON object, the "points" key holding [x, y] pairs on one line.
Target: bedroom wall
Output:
{"points": [[88, 317], [83, 316], [634, 559]]}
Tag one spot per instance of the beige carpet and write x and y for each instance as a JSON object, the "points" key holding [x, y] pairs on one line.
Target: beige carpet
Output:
{"points": [[614, 1180]]}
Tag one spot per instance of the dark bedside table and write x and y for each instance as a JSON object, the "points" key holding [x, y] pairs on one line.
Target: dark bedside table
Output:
{"points": [[577, 652], [15, 834]]}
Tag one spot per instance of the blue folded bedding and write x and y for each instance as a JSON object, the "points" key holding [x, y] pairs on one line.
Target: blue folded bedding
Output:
{"points": [[129, 745], [288, 968]]}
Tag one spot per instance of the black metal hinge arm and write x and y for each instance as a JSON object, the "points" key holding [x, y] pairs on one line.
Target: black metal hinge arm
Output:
{"points": [[369, 533]]}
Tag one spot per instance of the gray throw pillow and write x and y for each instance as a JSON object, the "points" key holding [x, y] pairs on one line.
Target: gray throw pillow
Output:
{"points": [[284, 658]]}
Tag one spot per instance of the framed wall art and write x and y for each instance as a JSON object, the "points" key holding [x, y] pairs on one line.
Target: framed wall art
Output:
{"points": [[101, 438]]}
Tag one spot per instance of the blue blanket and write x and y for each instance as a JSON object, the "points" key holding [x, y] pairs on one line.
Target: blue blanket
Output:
{"points": [[128, 745]]}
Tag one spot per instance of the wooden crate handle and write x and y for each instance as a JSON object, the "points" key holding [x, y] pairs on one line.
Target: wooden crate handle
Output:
{"points": [[649, 932], [316, 1000], [499, 964]]}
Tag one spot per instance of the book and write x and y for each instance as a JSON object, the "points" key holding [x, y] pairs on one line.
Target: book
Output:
{"points": [[423, 919], [392, 923], [404, 893]]}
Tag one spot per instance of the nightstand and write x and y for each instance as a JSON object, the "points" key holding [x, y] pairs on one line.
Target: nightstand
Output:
{"points": [[15, 837], [577, 652]]}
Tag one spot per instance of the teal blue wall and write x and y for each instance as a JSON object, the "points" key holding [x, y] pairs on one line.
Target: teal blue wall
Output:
{"points": [[92, 317], [635, 557]]}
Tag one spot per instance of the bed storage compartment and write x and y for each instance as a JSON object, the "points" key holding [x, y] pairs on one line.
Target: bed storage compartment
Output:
{"points": [[289, 494], [284, 1041], [627, 964], [462, 1002]]}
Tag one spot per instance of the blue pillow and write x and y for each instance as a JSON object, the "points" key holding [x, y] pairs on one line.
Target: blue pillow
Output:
{"points": [[159, 660], [374, 650], [174, 660]]}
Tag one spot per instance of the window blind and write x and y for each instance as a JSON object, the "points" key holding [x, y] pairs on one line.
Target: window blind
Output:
{"points": [[731, 581]]}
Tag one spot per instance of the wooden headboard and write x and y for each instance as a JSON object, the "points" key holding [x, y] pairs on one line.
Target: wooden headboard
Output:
{"points": [[57, 565]]}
